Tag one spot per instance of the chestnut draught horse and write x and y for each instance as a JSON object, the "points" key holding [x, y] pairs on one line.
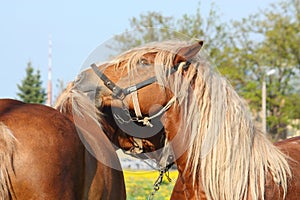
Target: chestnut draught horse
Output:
{"points": [[220, 152], [42, 156]]}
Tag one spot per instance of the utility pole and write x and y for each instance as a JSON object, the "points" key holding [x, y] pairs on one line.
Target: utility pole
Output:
{"points": [[263, 103], [264, 100], [49, 88]]}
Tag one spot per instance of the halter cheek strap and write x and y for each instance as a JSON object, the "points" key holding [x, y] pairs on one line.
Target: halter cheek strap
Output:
{"points": [[116, 90], [136, 105]]}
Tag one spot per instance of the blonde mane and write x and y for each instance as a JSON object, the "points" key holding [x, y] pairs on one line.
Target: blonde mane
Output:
{"points": [[73, 102], [227, 153], [230, 154]]}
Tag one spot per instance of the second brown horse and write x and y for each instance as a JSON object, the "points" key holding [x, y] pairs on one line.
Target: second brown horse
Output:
{"points": [[43, 157]]}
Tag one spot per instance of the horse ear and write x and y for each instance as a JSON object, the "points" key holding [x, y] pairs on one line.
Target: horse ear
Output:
{"points": [[187, 52]]}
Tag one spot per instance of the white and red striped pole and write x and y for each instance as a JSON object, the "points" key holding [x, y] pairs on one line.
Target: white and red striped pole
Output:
{"points": [[49, 88]]}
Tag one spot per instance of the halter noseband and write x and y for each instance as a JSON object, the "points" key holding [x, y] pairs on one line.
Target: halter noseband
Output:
{"points": [[121, 93], [118, 92]]}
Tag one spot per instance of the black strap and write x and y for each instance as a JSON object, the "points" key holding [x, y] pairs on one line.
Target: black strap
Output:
{"points": [[122, 93], [117, 91], [139, 85], [151, 80]]}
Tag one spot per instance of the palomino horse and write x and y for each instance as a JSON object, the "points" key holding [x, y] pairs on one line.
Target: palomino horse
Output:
{"points": [[42, 157], [220, 153]]}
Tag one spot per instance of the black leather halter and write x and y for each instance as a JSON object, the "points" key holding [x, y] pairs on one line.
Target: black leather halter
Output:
{"points": [[121, 93]]}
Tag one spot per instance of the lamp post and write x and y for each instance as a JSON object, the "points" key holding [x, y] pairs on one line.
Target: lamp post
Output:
{"points": [[263, 104], [264, 101]]}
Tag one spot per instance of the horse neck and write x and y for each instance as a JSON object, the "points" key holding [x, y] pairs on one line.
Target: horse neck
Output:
{"points": [[171, 121]]}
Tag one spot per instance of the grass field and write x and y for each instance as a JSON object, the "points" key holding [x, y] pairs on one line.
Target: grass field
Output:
{"points": [[139, 184]]}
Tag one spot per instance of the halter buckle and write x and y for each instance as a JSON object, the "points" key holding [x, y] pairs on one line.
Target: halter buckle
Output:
{"points": [[117, 92]]}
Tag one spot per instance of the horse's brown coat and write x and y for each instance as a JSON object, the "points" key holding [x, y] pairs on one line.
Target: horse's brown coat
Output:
{"points": [[186, 187], [49, 161]]}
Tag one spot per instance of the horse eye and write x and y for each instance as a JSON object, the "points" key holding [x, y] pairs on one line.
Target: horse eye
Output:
{"points": [[144, 63]]}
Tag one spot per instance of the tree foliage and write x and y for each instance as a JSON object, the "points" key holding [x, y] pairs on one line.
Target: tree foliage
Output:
{"points": [[31, 90], [244, 51], [265, 41], [153, 26]]}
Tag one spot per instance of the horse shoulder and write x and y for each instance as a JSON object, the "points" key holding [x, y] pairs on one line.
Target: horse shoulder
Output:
{"points": [[291, 147]]}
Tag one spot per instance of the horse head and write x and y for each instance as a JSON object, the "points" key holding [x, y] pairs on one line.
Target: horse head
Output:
{"points": [[130, 90], [138, 71]]}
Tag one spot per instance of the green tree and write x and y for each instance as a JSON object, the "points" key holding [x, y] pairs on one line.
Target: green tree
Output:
{"points": [[270, 40], [244, 51], [153, 26], [31, 90]]}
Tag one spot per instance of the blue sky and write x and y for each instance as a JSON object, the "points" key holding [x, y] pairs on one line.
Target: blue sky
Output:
{"points": [[77, 27]]}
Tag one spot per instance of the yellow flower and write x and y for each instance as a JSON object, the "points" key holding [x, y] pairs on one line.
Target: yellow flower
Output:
{"points": [[139, 184]]}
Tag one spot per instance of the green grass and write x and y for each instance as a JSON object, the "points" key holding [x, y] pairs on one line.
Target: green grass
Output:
{"points": [[139, 184]]}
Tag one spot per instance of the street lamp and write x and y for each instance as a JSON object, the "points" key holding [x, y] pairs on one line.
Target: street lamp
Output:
{"points": [[264, 100]]}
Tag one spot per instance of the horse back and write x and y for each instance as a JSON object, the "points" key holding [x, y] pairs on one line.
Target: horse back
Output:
{"points": [[48, 158], [291, 147], [50, 161]]}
